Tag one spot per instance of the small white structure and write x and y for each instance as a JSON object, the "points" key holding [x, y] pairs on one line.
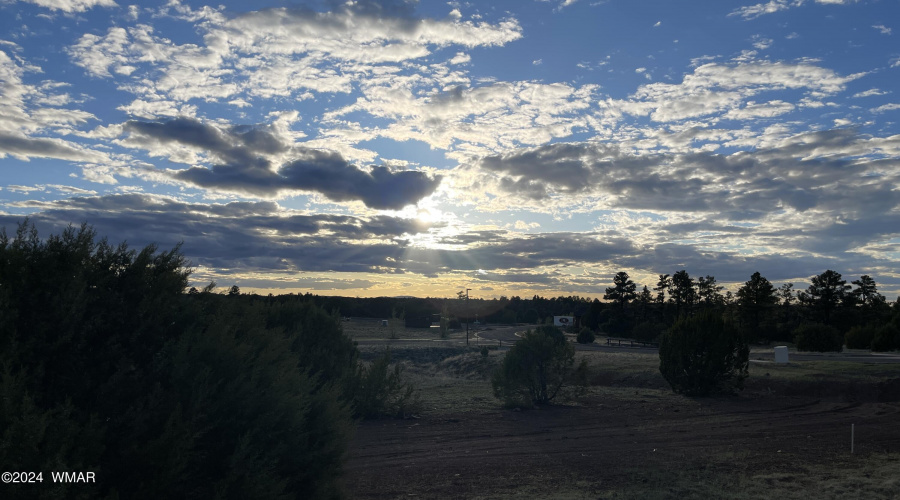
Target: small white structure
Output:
{"points": [[781, 354], [563, 321], [384, 322]]}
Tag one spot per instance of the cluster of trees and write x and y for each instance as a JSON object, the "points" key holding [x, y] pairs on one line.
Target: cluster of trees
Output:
{"points": [[106, 365], [829, 307], [535, 310]]}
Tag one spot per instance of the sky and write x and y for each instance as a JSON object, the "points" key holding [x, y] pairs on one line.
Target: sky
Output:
{"points": [[404, 148]]}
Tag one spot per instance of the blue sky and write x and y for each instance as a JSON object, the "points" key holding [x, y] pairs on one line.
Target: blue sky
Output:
{"points": [[418, 148]]}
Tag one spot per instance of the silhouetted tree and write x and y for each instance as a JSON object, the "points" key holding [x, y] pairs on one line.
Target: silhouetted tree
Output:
{"points": [[825, 294], [622, 291], [683, 292], [755, 300], [663, 285], [708, 291], [866, 292]]}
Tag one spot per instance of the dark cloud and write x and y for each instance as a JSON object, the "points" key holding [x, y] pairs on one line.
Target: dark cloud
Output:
{"points": [[828, 170], [259, 237], [44, 148], [242, 164], [235, 236]]}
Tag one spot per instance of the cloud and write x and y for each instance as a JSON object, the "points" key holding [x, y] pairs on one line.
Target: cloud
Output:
{"points": [[239, 236], [753, 11], [870, 93], [772, 6], [70, 6], [472, 119], [884, 30], [28, 147], [247, 238], [716, 88], [30, 112], [818, 173], [241, 160], [886, 107], [460, 58], [277, 51]]}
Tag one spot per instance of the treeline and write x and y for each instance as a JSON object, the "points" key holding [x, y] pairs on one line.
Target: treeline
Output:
{"points": [[514, 309], [108, 366], [825, 316], [854, 312]]}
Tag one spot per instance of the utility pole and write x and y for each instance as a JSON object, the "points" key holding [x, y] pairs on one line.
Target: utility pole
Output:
{"points": [[467, 316]]}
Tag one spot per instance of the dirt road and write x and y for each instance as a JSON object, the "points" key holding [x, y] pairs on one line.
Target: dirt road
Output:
{"points": [[606, 442]]}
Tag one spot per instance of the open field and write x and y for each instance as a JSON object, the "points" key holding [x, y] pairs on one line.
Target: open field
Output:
{"points": [[786, 435], [371, 328]]}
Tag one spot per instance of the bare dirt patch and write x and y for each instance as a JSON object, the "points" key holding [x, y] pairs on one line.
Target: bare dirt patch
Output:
{"points": [[630, 438]]}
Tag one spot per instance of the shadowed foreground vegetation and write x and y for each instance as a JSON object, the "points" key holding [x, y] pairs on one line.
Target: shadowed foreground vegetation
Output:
{"points": [[106, 365]]}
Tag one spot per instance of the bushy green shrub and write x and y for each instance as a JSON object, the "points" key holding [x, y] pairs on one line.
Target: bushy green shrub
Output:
{"points": [[535, 368], [818, 337], [703, 355], [586, 336], [887, 338], [107, 366], [860, 337], [380, 390]]}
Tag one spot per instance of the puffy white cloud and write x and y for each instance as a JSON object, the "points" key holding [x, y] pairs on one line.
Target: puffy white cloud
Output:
{"points": [[277, 52], [460, 58], [28, 112], [473, 120], [70, 6], [718, 88]]}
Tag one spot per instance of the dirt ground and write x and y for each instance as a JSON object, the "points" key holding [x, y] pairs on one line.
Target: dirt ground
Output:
{"points": [[637, 440]]}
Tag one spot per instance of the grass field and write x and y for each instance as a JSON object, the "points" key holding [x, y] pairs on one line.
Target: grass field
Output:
{"points": [[785, 436]]}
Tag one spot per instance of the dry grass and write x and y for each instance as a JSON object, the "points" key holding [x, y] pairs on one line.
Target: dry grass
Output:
{"points": [[454, 380], [370, 329]]}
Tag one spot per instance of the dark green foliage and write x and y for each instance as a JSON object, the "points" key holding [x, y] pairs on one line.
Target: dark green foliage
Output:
{"points": [[648, 331], [825, 293], [887, 338], [586, 336], [233, 415], [756, 301], [591, 318], [106, 365], [860, 337], [485, 352], [818, 337], [614, 323], [703, 355], [379, 390], [684, 292], [535, 368]]}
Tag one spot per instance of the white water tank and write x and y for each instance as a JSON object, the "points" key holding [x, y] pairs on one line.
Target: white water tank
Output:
{"points": [[781, 354]]}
